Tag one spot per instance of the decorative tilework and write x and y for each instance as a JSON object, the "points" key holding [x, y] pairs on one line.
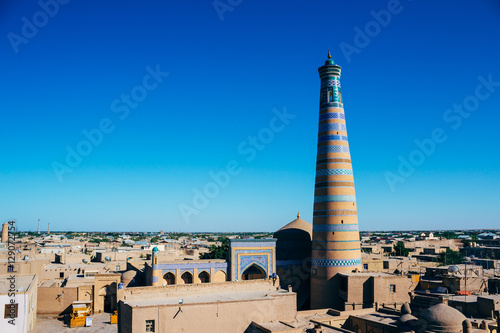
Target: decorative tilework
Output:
{"points": [[327, 105], [247, 261], [155, 278], [334, 198], [333, 161], [332, 127], [330, 83], [331, 115], [190, 270], [186, 265], [335, 227], [251, 256], [252, 242], [353, 211], [332, 138], [252, 251], [338, 263], [333, 149], [332, 215], [333, 172], [244, 253]]}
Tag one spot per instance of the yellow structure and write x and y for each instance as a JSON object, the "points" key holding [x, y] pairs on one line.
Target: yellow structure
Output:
{"points": [[113, 319], [80, 310]]}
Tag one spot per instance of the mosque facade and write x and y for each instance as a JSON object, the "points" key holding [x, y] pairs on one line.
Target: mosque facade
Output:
{"points": [[249, 259]]}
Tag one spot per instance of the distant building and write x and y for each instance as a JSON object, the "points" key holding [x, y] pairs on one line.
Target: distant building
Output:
{"points": [[18, 304], [488, 235], [426, 236], [5, 232]]}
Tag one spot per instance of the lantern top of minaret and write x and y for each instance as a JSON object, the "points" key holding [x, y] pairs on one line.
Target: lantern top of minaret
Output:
{"points": [[330, 60]]}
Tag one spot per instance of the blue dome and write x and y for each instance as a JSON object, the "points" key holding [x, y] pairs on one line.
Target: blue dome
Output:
{"points": [[155, 249], [330, 60]]}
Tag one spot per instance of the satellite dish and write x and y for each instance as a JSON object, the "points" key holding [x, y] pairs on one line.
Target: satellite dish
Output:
{"points": [[107, 258], [85, 261], [453, 269]]}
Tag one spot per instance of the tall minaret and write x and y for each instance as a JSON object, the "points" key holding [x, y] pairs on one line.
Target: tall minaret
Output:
{"points": [[5, 232], [336, 246], [38, 226]]}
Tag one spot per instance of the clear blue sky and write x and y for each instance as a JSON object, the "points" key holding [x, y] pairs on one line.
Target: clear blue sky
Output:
{"points": [[228, 68]]}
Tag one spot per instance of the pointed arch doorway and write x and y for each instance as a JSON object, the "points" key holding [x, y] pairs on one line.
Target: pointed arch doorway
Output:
{"points": [[253, 272]]}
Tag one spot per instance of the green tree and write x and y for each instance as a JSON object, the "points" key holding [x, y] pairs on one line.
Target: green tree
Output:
{"points": [[446, 234], [138, 238], [451, 257], [217, 252], [400, 249]]}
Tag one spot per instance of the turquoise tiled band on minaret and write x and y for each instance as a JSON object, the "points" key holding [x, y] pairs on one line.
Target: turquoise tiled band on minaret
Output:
{"points": [[336, 246]]}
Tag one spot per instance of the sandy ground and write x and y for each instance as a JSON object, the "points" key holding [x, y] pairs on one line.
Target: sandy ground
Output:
{"points": [[100, 323]]}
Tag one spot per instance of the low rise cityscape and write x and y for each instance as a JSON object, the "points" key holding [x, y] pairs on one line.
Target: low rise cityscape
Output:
{"points": [[171, 210], [147, 278]]}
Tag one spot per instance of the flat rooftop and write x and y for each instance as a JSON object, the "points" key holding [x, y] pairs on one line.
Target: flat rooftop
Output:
{"points": [[88, 266], [494, 297], [208, 298], [21, 281], [460, 298], [368, 274]]}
